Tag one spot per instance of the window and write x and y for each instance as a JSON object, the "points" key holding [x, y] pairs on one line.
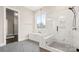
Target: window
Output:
{"points": [[41, 20]]}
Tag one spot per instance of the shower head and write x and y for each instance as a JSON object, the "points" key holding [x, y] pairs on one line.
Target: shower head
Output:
{"points": [[71, 8]]}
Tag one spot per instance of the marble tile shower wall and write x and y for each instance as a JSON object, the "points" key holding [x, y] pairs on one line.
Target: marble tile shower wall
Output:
{"points": [[63, 18], [54, 17]]}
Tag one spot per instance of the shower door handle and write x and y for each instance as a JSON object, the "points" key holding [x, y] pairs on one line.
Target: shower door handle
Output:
{"points": [[57, 28]]}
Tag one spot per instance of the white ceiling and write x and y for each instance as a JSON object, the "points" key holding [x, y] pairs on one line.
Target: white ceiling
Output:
{"points": [[34, 8]]}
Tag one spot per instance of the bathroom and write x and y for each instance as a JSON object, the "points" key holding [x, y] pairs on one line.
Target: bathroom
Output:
{"points": [[43, 29], [55, 28]]}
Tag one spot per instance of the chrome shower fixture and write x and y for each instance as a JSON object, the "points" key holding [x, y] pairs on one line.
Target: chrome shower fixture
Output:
{"points": [[74, 19]]}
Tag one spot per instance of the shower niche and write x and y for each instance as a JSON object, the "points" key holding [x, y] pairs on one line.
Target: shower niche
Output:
{"points": [[12, 26]]}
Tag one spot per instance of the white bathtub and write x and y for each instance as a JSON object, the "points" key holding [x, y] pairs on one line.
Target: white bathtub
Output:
{"points": [[35, 37], [39, 37]]}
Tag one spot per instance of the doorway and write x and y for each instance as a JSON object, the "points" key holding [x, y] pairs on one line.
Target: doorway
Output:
{"points": [[12, 26]]}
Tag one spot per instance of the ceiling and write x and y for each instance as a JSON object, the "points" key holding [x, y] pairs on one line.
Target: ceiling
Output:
{"points": [[34, 8]]}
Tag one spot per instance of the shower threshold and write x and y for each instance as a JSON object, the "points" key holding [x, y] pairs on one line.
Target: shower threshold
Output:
{"points": [[58, 47]]}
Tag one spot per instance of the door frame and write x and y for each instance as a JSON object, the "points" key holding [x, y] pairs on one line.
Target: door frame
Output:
{"points": [[11, 8]]}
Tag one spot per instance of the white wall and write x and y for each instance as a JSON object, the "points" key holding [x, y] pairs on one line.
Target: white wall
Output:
{"points": [[26, 22], [1, 25]]}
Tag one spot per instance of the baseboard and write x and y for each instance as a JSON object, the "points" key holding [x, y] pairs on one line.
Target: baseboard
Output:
{"points": [[34, 40], [3, 44], [22, 39]]}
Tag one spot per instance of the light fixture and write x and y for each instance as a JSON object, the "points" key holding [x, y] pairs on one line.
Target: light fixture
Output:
{"points": [[15, 14]]}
